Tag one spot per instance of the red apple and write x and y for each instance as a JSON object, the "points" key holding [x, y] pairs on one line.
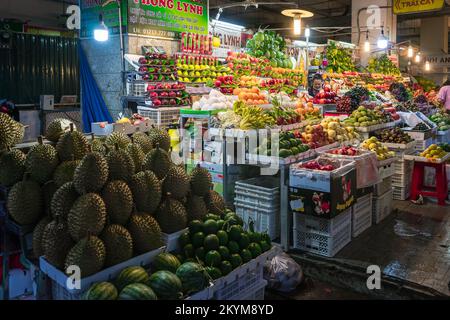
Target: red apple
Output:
{"points": [[156, 103], [172, 102], [218, 83]]}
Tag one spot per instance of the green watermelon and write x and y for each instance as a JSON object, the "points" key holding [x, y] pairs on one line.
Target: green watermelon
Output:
{"points": [[137, 291], [184, 239], [166, 285], [200, 253], [192, 276], [212, 258], [165, 261], [224, 252], [223, 237], [233, 247], [213, 272], [131, 275], [101, 291], [225, 267], [235, 260], [210, 227], [244, 241], [195, 226], [234, 233], [197, 239], [264, 246], [246, 255], [255, 249], [211, 216], [211, 242]]}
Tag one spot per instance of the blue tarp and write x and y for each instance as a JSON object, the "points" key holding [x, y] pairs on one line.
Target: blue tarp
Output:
{"points": [[93, 106]]}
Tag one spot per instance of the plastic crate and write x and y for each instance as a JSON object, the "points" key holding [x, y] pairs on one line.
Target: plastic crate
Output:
{"points": [[60, 279], [265, 220], [386, 171], [162, 117], [322, 243], [255, 293], [402, 179], [402, 166], [171, 240], [262, 186], [362, 215], [383, 187], [402, 194], [321, 225], [382, 206], [243, 280], [257, 199], [421, 145], [137, 88]]}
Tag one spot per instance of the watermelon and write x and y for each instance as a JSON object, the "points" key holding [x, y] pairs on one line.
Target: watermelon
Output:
{"points": [[210, 226], [165, 261], [101, 291], [211, 242], [184, 239], [220, 224], [131, 275], [197, 239], [192, 276], [213, 258], [244, 241], [166, 285], [223, 237], [264, 246], [137, 291], [225, 267], [200, 253], [213, 272], [188, 251], [234, 233], [224, 252], [246, 255], [235, 260], [211, 216], [195, 226], [233, 247], [255, 249]]}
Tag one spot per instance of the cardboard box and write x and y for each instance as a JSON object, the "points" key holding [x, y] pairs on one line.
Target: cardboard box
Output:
{"points": [[342, 196]]}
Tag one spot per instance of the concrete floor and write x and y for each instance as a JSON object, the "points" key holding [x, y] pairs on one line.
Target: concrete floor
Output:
{"points": [[412, 244]]}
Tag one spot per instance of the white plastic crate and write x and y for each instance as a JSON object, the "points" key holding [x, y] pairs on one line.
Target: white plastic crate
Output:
{"points": [[264, 186], [237, 283], [171, 240], [386, 171], [401, 180], [323, 243], [401, 193], [421, 145], [362, 215], [322, 225], [254, 293], [256, 198], [383, 187], [382, 207], [162, 117], [402, 166], [60, 279], [136, 88], [265, 220]]}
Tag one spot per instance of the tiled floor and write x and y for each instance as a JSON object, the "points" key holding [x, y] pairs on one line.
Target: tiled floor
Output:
{"points": [[412, 244]]}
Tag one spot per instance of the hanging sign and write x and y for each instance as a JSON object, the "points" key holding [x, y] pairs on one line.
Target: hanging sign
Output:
{"points": [[167, 18], [92, 9], [416, 6]]}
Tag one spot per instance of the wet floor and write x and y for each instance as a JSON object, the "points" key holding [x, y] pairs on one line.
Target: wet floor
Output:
{"points": [[412, 244]]}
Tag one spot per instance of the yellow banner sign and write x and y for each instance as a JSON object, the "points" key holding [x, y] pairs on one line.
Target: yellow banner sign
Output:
{"points": [[415, 6]]}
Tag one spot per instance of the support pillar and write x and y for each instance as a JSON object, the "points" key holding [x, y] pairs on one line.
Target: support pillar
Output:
{"points": [[434, 41], [372, 15]]}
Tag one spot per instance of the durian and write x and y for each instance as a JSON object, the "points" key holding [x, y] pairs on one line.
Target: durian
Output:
{"points": [[41, 162], [92, 173], [121, 165], [89, 254], [38, 232], [11, 131], [25, 202], [160, 137], [87, 216], [200, 181], [119, 202], [157, 161], [48, 191], [64, 172], [143, 141], [12, 167], [146, 190], [57, 128], [176, 183], [136, 153], [196, 208], [118, 138], [146, 233], [72, 145], [118, 244], [56, 242], [98, 145], [171, 215], [63, 200], [215, 203]]}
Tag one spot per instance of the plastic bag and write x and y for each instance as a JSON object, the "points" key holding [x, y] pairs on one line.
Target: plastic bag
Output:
{"points": [[283, 273]]}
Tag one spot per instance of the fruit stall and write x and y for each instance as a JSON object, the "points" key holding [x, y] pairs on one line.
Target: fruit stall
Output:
{"points": [[224, 164]]}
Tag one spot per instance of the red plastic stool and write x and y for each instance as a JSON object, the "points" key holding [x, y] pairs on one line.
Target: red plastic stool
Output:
{"points": [[418, 188]]}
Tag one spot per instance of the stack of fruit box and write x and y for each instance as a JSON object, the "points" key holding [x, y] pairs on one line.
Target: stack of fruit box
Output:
{"points": [[321, 203]]}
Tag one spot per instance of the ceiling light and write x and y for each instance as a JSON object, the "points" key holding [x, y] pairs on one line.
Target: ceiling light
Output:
{"points": [[297, 16], [427, 66], [367, 42], [410, 51], [382, 42], [417, 59], [101, 31], [307, 32]]}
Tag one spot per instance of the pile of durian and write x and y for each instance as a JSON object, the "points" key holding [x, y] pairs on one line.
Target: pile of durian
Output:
{"points": [[96, 203]]}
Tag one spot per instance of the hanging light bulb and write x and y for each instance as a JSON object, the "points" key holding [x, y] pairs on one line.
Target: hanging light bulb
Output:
{"points": [[382, 42], [297, 25], [101, 32], [307, 32], [417, 59], [367, 43], [410, 51], [427, 66]]}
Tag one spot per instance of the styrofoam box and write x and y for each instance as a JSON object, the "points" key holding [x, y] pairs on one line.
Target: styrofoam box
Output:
{"points": [[383, 187], [382, 206], [60, 279], [323, 243], [362, 215], [264, 220], [171, 240]]}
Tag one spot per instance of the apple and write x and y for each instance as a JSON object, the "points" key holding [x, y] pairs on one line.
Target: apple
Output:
{"points": [[143, 61], [153, 95], [172, 102], [172, 94], [322, 101], [179, 94], [165, 102], [164, 94], [218, 83], [157, 102], [159, 86]]}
